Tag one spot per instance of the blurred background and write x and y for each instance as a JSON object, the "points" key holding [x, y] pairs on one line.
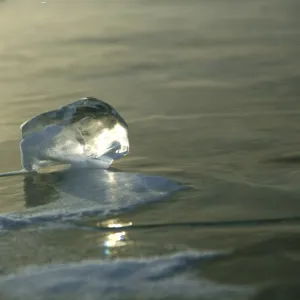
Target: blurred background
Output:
{"points": [[210, 90]]}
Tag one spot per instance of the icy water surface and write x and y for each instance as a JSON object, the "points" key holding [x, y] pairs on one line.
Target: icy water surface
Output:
{"points": [[206, 204]]}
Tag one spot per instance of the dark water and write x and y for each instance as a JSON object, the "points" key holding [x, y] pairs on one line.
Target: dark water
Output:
{"points": [[210, 92]]}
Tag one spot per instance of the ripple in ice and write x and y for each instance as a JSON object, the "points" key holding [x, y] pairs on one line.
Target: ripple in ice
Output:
{"points": [[169, 277]]}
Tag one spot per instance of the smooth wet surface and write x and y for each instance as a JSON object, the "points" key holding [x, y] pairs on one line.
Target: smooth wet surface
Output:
{"points": [[210, 91]]}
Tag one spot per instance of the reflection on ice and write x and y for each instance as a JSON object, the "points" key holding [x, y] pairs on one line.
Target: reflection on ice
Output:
{"points": [[113, 223], [116, 239], [74, 194]]}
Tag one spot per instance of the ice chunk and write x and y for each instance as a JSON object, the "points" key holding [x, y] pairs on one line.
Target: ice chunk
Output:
{"points": [[85, 133]]}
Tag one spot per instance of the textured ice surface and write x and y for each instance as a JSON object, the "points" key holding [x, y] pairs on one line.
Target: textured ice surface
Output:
{"points": [[90, 133], [85, 133], [169, 277]]}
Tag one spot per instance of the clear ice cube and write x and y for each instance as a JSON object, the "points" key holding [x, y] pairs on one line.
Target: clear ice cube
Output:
{"points": [[85, 133]]}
